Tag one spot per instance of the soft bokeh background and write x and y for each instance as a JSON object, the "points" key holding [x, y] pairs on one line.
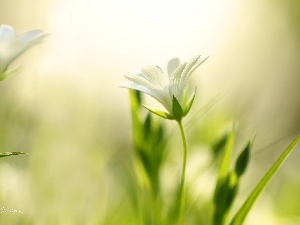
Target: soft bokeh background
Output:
{"points": [[66, 111]]}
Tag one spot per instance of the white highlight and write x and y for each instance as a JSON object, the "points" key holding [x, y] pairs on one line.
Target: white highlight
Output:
{"points": [[3, 210]]}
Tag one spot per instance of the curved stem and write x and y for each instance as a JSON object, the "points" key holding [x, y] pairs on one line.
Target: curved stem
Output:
{"points": [[182, 187]]}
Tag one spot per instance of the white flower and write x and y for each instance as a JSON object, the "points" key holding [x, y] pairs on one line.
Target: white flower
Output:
{"points": [[13, 45], [170, 90]]}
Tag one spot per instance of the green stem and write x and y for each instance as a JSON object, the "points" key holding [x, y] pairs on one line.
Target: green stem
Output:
{"points": [[156, 212], [182, 188]]}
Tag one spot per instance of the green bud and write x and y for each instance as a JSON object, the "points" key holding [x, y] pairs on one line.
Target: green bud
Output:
{"points": [[243, 160]]}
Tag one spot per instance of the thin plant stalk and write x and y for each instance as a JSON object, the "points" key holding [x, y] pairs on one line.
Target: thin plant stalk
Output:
{"points": [[182, 187]]}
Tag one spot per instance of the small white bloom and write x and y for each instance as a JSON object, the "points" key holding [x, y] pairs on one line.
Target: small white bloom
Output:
{"points": [[13, 45], [166, 88]]}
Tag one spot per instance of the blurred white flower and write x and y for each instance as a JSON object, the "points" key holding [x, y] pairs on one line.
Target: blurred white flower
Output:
{"points": [[170, 90], [13, 45]]}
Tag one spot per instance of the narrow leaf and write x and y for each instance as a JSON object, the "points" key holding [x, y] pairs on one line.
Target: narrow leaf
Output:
{"points": [[242, 213], [8, 74], [225, 161], [190, 103], [159, 112], [135, 105], [4, 154]]}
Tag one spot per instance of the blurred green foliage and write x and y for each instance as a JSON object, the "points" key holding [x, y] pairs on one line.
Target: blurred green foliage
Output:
{"points": [[82, 167]]}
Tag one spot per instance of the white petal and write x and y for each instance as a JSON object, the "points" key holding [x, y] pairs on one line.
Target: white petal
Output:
{"points": [[178, 71], [175, 82], [181, 74], [141, 88], [199, 62], [139, 79], [25, 41], [31, 36], [191, 66], [20, 44], [140, 74], [155, 76], [155, 93], [172, 65], [6, 33], [186, 72]]}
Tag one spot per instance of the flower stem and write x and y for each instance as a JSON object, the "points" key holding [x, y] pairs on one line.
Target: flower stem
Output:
{"points": [[182, 187]]}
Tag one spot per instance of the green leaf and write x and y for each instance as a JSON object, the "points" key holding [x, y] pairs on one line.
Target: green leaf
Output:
{"points": [[231, 194], [225, 161], [147, 126], [190, 102], [224, 196], [135, 105], [219, 145], [8, 74], [135, 99], [177, 110], [146, 161], [224, 183], [159, 112], [243, 211], [243, 160], [4, 154], [221, 189]]}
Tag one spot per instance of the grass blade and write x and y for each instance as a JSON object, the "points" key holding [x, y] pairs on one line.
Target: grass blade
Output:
{"points": [[242, 213]]}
